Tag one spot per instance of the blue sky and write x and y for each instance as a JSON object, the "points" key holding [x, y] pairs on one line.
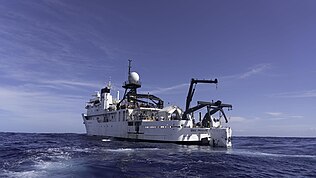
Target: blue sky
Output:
{"points": [[54, 54]]}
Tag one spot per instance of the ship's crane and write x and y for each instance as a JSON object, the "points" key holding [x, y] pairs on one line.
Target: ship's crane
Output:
{"points": [[192, 89], [212, 107]]}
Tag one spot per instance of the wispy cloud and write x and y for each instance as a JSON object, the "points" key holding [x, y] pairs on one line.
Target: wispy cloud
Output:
{"points": [[34, 46], [167, 90], [274, 113], [237, 119], [296, 94], [282, 116], [296, 117], [17, 100], [42, 108], [42, 79], [72, 83], [243, 120], [255, 70], [252, 71]]}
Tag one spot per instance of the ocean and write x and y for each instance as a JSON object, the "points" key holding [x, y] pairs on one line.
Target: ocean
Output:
{"points": [[78, 155]]}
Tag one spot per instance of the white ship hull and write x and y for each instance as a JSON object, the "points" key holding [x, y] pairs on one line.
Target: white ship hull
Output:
{"points": [[176, 131]]}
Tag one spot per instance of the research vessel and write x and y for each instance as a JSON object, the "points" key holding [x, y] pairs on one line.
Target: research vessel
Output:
{"points": [[143, 117]]}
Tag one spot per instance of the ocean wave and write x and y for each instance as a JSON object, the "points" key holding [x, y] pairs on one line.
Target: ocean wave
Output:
{"points": [[83, 156], [48, 165], [24, 174], [251, 153], [130, 149]]}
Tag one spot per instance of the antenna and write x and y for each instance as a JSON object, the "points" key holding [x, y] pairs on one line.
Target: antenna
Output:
{"points": [[109, 85], [129, 66]]}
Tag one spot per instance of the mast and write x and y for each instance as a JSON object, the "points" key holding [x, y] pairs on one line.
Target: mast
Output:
{"points": [[129, 67], [130, 86], [131, 95]]}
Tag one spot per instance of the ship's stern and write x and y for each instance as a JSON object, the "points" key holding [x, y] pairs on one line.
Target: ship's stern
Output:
{"points": [[221, 137]]}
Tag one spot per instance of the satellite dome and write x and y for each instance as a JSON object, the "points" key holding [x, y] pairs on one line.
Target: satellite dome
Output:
{"points": [[133, 77]]}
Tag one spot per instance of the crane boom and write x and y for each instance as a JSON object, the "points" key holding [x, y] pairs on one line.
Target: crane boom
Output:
{"points": [[192, 89], [212, 107]]}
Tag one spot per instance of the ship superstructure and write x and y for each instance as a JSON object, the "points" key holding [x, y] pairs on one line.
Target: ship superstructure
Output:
{"points": [[144, 117]]}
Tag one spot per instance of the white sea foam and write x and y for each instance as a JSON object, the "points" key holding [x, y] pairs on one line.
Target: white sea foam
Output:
{"points": [[131, 149], [24, 174], [290, 156], [105, 140], [147, 149], [55, 154], [85, 150], [250, 153], [37, 165], [120, 150], [48, 165]]}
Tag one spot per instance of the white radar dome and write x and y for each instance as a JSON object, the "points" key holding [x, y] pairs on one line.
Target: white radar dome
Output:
{"points": [[133, 77]]}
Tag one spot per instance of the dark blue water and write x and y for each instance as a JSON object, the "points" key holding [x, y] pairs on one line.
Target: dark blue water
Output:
{"points": [[77, 155]]}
